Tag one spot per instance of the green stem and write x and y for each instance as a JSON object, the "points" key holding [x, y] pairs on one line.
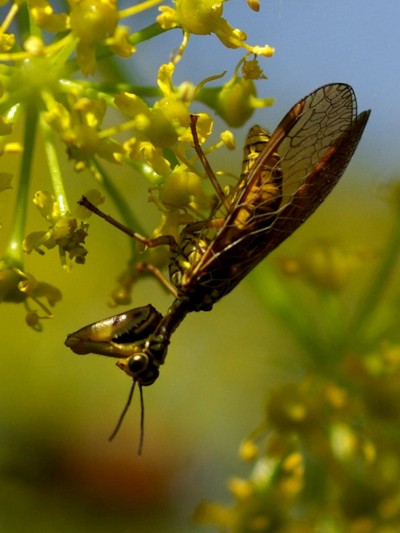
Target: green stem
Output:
{"points": [[23, 21], [119, 201], [123, 207], [286, 308], [54, 167], [333, 331], [373, 296], [105, 53], [92, 89], [14, 250], [146, 33]]}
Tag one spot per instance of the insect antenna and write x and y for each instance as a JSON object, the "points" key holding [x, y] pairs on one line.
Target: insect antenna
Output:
{"points": [[122, 415], [125, 410], [140, 447]]}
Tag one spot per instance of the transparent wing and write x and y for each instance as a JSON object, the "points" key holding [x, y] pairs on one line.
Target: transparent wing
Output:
{"points": [[315, 142], [317, 184], [303, 136], [326, 114]]}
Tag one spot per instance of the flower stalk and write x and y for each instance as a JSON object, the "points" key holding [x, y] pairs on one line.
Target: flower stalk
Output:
{"points": [[50, 73]]}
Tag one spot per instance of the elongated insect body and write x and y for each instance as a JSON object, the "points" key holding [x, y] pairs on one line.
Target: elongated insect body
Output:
{"points": [[315, 142], [285, 177]]}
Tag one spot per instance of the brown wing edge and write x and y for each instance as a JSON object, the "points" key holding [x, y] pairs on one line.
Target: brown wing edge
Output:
{"points": [[304, 202], [318, 184], [311, 193], [292, 119]]}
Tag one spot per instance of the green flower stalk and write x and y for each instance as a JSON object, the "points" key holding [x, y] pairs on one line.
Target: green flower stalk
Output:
{"points": [[325, 457], [45, 57]]}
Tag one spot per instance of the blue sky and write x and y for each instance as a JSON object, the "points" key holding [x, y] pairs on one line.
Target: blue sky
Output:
{"points": [[317, 42], [355, 41]]}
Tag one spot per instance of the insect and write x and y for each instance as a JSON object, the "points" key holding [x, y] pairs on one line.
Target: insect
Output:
{"points": [[285, 177]]}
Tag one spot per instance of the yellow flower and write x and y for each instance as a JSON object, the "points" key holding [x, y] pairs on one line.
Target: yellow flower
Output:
{"points": [[65, 231], [44, 16], [7, 42], [182, 188], [144, 151], [18, 286], [92, 21], [237, 99], [324, 265], [79, 129], [119, 42], [41, 86], [156, 127], [205, 17]]}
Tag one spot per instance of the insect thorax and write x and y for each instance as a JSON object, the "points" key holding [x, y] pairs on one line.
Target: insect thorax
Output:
{"points": [[192, 248], [207, 263], [263, 186], [256, 140]]}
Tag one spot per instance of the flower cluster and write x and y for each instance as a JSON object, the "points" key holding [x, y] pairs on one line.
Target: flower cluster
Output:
{"points": [[43, 71], [330, 461], [326, 456]]}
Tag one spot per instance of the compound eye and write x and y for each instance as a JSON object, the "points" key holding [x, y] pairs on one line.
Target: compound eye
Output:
{"points": [[138, 364]]}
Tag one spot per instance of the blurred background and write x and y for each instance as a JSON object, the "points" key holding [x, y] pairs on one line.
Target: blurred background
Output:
{"points": [[58, 471]]}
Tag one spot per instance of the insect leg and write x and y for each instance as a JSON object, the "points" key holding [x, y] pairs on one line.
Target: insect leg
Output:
{"points": [[168, 240], [118, 335], [206, 164], [143, 267]]}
